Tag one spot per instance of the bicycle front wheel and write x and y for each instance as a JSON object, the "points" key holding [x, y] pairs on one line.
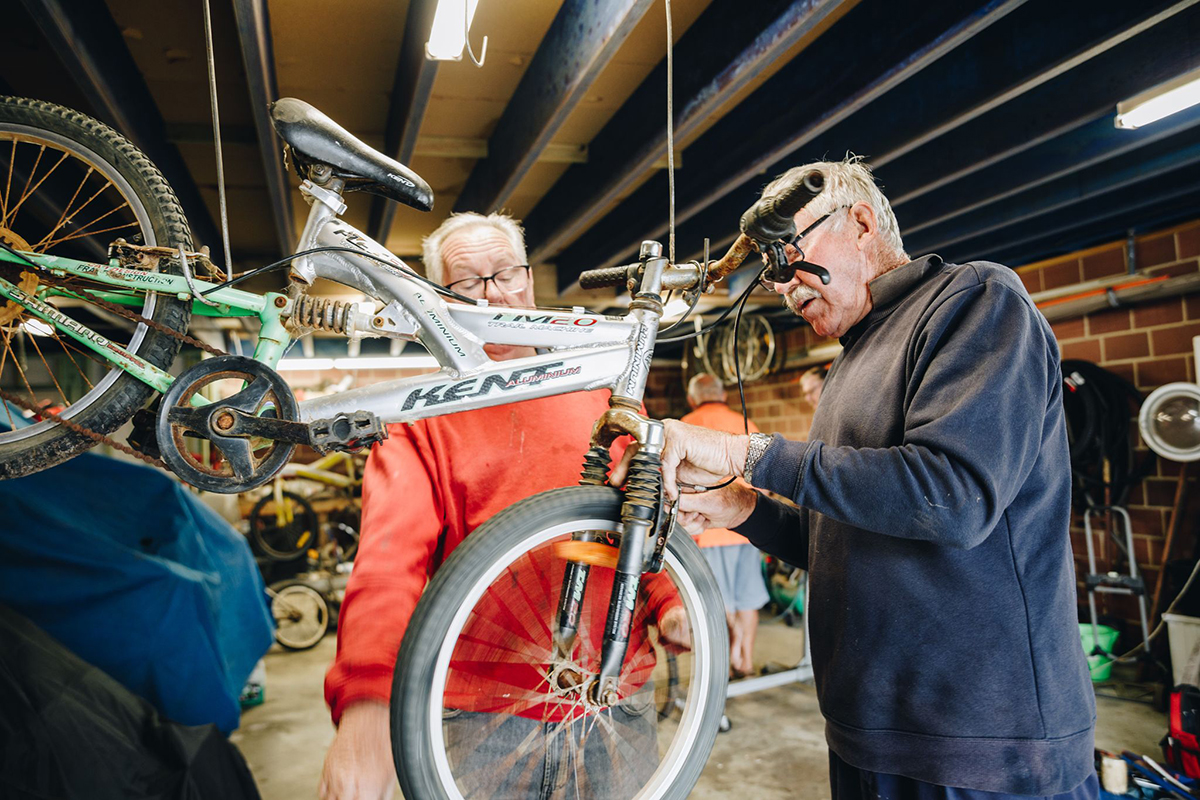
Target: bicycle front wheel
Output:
{"points": [[484, 706]]}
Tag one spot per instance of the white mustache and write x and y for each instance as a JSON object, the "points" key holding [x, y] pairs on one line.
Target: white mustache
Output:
{"points": [[799, 296]]}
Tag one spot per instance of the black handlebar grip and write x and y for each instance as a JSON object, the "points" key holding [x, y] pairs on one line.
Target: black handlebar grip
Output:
{"points": [[770, 218], [600, 278], [795, 197]]}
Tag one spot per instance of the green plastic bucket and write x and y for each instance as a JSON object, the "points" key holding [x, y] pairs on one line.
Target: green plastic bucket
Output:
{"points": [[1099, 666]]}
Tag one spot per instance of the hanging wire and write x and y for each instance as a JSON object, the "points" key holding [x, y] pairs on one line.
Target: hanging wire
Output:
{"points": [[670, 137], [212, 93]]}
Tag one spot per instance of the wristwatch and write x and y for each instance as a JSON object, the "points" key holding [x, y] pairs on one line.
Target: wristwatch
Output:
{"points": [[759, 442]]}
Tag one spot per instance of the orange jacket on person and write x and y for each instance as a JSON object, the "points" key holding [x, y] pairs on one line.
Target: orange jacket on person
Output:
{"points": [[425, 489], [719, 417]]}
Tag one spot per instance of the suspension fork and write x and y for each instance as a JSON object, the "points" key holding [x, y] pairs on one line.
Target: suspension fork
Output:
{"points": [[639, 515], [570, 600]]}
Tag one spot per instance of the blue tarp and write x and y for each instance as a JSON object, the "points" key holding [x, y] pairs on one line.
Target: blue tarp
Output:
{"points": [[135, 575]]}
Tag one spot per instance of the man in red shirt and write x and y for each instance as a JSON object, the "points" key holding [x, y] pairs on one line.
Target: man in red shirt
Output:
{"points": [[425, 489], [736, 564]]}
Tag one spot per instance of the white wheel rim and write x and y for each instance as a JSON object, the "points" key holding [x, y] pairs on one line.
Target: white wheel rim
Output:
{"points": [[689, 725], [139, 333]]}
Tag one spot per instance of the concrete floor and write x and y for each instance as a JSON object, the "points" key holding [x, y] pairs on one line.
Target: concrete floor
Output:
{"points": [[776, 748]]}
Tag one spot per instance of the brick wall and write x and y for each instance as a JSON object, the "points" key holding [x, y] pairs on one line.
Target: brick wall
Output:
{"points": [[1148, 344]]}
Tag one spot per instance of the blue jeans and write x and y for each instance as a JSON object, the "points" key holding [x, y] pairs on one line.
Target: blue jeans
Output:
{"points": [[506, 756], [852, 783]]}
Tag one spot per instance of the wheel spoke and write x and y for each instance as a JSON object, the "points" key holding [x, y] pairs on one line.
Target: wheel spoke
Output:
{"points": [[33, 340], [83, 231], [9, 220], [41, 180], [65, 218]]}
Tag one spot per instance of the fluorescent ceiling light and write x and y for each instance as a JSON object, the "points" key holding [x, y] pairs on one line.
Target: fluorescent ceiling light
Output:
{"points": [[286, 364], [448, 36], [37, 327], [350, 364], [1162, 101], [675, 308], [386, 362]]}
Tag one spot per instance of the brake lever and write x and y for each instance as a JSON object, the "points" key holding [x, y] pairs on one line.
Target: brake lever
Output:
{"points": [[780, 271]]}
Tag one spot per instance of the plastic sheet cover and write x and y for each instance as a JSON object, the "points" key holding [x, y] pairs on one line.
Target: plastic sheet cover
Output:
{"points": [[131, 572]]}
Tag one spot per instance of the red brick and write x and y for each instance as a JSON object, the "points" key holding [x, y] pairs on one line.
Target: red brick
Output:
{"points": [[1174, 340], [1148, 521], [1148, 550], [1137, 496], [1126, 345], [1124, 370], [1155, 250], [1087, 350], [1065, 273], [1111, 321], [1192, 305], [1169, 469], [1163, 312], [1152, 374], [1159, 492], [1104, 264], [1032, 278], [1188, 242], [1174, 270], [1068, 329]]}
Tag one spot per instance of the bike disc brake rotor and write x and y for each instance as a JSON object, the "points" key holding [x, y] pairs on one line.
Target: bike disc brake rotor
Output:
{"points": [[236, 463]]}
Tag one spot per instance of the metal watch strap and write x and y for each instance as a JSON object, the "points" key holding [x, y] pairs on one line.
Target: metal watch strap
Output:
{"points": [[759, 442]]}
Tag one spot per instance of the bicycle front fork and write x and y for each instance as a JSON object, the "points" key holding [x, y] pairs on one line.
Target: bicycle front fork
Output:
{"points": [[639, 520]]}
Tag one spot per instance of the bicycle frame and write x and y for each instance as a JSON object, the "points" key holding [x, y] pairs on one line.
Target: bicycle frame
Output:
{"points": [[585, 351]]}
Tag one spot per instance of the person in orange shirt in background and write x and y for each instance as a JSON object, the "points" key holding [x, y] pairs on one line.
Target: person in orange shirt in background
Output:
{"points": [[735, 562], [811, 383]]}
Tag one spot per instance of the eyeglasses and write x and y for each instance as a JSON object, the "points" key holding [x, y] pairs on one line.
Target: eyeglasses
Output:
{"points": [[507, 280], [798, 264]]}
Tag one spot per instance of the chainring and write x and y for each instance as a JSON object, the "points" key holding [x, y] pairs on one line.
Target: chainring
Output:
{"points": [[243, 462]]}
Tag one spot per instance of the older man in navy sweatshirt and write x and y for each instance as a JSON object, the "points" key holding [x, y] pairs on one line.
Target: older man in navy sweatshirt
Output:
{"points": [[934, 496]]}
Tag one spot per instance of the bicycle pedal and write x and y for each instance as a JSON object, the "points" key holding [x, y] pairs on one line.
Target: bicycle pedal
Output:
{"points": [[143, 437], [347, 433]]}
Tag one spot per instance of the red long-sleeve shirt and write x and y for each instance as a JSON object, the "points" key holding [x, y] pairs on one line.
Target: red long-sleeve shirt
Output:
{"points": [[425, 488]]}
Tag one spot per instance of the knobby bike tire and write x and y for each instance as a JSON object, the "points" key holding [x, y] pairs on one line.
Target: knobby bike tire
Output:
{"points": [[305, 516], [450, 588], [93, 140]]}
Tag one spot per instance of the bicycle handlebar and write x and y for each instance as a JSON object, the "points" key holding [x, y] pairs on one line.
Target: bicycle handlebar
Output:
{"points": [[600, 278], [770, 219]]}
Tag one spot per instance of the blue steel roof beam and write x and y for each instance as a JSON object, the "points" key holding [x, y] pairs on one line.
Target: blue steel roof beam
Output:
{"points": [[258, 56], [1156, 159], [730, 44], [1152, 216], [582, 39], [1118, 207], [1096, 142], [411, 88], [86, 39], [892, 41], [1037, 117], [1155, 55]]}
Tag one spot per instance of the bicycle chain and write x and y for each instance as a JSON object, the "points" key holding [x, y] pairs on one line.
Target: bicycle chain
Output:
{"points": [[132, 316], [91, 434]]}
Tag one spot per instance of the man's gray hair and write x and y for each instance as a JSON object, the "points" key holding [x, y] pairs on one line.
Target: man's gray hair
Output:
{"points": [[431, 246], [704, 388], [846, 183]]}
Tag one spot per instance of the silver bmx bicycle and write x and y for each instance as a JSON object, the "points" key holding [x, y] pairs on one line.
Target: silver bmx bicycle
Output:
{"points": [[531, 650]]}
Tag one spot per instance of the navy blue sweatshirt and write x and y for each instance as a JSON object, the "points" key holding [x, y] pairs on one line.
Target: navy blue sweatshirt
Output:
{"points": [[934, 496]]}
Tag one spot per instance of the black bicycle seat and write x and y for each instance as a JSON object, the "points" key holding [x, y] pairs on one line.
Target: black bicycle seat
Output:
{"points": [[316, 139]]}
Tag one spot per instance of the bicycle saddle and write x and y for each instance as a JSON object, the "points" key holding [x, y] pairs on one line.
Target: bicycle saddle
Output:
{"points": [[316, 139]]}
